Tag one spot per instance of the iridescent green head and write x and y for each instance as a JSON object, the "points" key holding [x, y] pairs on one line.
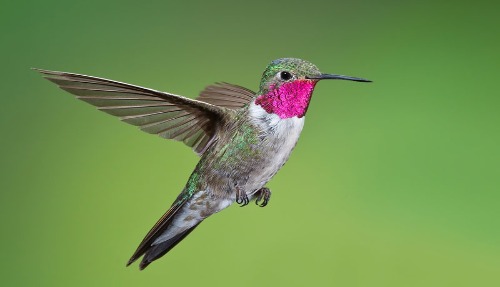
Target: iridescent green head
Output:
{"points": [[291, 69], [286, 70], [287, 86]]}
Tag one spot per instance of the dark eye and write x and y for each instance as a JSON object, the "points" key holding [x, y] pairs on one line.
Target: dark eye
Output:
{"points": [[285, 76]]}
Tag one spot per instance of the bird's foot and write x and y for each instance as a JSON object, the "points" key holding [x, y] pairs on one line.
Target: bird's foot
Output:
{"points": [[263, 194], [241, 197]]}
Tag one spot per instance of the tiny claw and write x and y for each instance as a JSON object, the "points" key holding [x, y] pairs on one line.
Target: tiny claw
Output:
{"points": [[264, 195], [241, 197]]}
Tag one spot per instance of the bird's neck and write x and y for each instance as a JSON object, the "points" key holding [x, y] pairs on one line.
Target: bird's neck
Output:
{"points": [[288, 100]]}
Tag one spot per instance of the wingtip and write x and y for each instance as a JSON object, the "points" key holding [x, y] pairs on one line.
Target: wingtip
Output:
{"points": [[49, 72], [43, 71]]}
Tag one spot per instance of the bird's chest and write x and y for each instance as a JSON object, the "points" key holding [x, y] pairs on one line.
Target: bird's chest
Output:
{"points": [[277, 138], [251, 154]]}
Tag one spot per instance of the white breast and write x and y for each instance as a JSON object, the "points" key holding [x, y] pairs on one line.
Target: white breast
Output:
{"points": [[280, 137]]}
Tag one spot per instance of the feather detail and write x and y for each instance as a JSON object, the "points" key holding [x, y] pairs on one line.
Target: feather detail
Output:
{"points": [[160, 226], [157, 251], [170, 116], [226, 95]]}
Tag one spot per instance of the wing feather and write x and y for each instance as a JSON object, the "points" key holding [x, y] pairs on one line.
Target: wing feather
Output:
{"points": [[226, 95], [193, 122]]}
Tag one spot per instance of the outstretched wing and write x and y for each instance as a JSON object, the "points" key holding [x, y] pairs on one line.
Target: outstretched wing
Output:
{"points": [[170, 116], [226, 95]]}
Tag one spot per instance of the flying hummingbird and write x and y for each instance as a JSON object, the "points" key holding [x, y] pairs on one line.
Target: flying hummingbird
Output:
{"points": [[242, 137]]}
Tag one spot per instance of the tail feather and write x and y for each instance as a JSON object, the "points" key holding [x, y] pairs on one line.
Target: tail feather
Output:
{"points": [[156, 231], [157, 251]]}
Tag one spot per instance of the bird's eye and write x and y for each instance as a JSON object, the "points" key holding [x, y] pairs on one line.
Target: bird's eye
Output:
{"points": [[285, 76]]}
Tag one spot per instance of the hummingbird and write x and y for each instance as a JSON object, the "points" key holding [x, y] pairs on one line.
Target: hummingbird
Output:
{"points": [[242, 137]]}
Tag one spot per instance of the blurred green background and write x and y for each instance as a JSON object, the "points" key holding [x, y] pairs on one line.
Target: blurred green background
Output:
{"points": [[394, 183]]}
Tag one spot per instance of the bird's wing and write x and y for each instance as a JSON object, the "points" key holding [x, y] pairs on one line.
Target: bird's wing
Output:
{"points": [[226, 95], [170, 116]]}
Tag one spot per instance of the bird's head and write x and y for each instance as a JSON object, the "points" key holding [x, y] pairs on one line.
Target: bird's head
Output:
{"points": [[287, 85]]}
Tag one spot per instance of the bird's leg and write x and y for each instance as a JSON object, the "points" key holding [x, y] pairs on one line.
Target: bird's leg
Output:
{"points": [[263, 194], [241, 197]]}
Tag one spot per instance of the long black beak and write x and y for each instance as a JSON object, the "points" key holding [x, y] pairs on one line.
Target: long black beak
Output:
{"points": [[337, 77]]}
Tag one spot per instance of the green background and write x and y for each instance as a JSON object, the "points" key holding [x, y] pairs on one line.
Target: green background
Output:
{"points": [[394, 183]]}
